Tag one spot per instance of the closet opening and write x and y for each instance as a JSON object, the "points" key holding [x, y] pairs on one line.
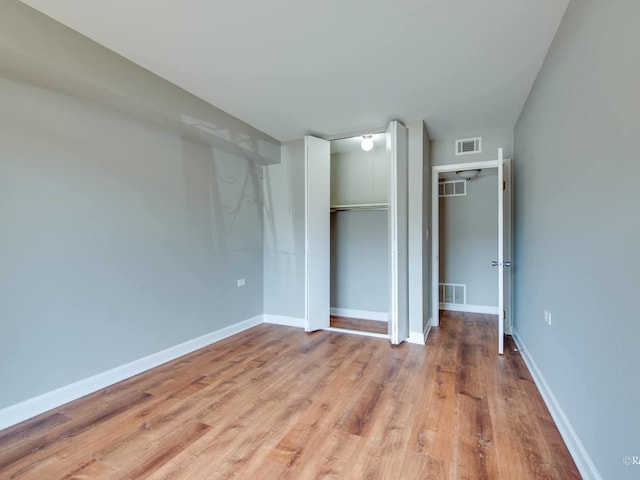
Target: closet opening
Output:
{"points": [[359, 235]]}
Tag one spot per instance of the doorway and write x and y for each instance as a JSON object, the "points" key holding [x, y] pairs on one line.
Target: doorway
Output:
{"points": [[455, 293]]}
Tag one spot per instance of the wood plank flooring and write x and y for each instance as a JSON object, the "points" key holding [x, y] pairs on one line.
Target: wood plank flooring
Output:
{"points": [[276, 403], [358, 324]]}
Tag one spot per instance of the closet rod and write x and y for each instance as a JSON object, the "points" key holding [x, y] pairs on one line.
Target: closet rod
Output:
{"points": [[359, 206]]}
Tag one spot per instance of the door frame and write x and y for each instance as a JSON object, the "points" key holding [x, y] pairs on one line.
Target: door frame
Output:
{"points": [[435, 231]]}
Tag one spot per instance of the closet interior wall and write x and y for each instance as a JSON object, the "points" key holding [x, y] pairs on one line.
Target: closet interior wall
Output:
{"points": [[359, 231]]}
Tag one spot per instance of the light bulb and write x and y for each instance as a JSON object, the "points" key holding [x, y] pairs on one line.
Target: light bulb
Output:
{"points": [[367, 143]]}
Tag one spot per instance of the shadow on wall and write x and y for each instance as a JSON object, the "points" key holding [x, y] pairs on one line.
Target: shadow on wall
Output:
{"points": [[230, 189], [224, 201], [284, 233]]}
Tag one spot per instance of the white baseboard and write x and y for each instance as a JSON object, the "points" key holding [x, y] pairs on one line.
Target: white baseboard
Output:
{"points": [[420, 338], [583, 461], [416, 337], [282, 320], [362, 314], [356, 332], [469, 308], [19, 412]]}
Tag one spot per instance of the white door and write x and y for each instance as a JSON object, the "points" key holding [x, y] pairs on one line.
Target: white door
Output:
{"points": [[397, 150], [317, 237], [508, 246], [500, 265]]}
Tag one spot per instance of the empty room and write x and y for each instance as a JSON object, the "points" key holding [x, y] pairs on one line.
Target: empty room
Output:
{"points": [[345, 240]]}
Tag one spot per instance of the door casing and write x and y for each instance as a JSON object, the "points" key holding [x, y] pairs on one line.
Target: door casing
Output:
{"points": [[435, 234]]}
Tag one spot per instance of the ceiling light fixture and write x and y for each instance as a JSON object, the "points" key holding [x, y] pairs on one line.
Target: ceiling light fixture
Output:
{"points": [[367, 143], [468, 174]]}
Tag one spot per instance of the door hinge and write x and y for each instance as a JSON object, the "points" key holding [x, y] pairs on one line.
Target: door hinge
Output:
{"points": [[504, 185], [504, 314]]}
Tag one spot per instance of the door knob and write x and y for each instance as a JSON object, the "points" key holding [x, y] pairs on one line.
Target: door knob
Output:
{"points": [[495, 264]]}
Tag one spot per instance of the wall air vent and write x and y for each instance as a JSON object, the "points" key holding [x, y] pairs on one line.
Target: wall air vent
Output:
{"points": [[467, 146], [453, 294], [452, 188]]}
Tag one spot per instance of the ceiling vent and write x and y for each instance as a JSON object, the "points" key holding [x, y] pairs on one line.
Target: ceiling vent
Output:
{"points": [[467, 146]]}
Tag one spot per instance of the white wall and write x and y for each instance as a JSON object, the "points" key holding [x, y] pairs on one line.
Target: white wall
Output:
{"points": [[577, 230]]}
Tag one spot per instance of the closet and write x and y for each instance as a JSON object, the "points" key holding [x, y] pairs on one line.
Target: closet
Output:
{"points": [[359, 237], [354, 199]]}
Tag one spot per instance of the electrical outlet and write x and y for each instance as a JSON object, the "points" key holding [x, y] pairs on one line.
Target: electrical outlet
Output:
{"points": [[547, 317], [241, 282]]}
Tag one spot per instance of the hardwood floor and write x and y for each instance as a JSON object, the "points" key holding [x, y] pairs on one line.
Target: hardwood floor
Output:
{"points": [[276, 403], [347, 323]]}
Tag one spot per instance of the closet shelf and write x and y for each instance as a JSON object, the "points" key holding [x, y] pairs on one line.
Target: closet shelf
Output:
{"points": [[359, 206]]}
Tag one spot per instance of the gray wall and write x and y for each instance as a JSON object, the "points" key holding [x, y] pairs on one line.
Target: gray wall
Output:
{"points": [[359, 239], [40, 51], [469, 239], [359, 177], [443, 151], [119, 237], [284, 225], [360, 260], [577, 228]]}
